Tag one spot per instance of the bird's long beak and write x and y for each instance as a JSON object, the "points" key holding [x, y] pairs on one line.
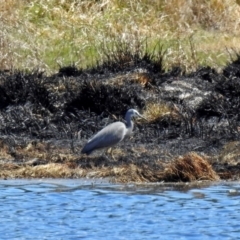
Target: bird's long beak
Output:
{"points": [[141, 116]]}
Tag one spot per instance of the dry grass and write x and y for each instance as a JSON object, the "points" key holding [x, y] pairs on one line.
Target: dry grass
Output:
{"points": [[35, 154], [158, 112], [51, 170], [123, 174], [230, 153], [48, 34], [141, 78], [190, 167], [42, 160], [128, 173]]}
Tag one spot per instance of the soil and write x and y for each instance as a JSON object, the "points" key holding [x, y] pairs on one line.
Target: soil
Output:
{"points": [[46, 120]]}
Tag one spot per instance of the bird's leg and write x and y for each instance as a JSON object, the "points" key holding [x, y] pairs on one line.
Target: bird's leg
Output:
{"points": [[110, 152], [106, 153]]}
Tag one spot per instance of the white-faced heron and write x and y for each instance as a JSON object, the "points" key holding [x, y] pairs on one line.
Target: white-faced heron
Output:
{"points": [[112, 134]]}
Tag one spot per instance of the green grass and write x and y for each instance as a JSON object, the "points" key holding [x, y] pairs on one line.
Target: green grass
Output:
{"points": [[44, 35]]}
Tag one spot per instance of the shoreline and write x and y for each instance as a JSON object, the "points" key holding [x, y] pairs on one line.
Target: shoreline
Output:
{"points": [[192, 132]]}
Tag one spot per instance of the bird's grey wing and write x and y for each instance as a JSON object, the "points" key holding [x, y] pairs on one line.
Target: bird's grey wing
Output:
{"points": [[107, 137]]}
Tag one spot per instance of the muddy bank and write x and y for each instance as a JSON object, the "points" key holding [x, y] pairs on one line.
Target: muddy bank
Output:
{"points": [[192, 132]]}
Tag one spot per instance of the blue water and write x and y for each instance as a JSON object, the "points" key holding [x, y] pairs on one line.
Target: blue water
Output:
{"points": [[78, 209]]}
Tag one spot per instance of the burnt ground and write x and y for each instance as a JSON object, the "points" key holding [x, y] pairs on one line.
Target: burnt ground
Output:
{"points": [[45, 121]]}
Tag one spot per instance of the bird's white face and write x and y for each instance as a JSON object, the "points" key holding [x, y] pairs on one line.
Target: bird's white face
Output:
{"points": [[135, 113]]}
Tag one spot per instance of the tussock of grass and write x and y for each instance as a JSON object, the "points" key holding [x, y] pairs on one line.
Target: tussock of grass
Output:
{"points": [[142, 78], [190, 167], [158, 112], [48, 34]]}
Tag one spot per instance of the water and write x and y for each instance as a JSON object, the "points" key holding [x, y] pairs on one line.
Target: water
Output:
{"points": [[78, 209]]}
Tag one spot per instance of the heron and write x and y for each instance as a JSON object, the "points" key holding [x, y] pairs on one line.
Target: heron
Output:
{"points": [[112, 134]]}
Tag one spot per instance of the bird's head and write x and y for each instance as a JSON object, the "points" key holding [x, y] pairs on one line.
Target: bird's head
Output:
{"points": [[134, 113]]}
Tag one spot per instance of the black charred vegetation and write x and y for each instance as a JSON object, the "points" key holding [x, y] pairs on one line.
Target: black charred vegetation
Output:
{"points": [[75, 103]]}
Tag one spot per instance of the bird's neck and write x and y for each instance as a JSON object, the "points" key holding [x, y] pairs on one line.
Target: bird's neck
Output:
{"points": [[129, 126], [129, 123]]}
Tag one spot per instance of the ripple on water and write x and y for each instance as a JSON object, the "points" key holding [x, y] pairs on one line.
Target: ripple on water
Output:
{"points": [[72, 209]]}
